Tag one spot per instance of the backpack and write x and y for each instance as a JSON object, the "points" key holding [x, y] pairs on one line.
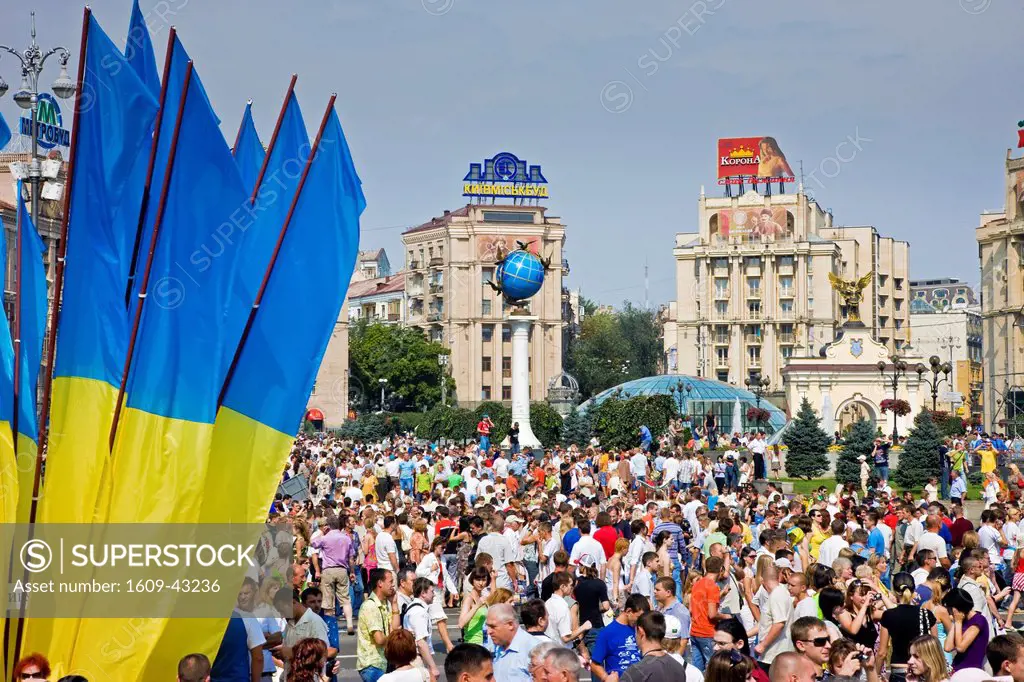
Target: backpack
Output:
{"points": [[405, 610]]}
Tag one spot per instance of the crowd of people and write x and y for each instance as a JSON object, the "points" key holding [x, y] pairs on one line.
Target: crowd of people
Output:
{"points": [[643, 564]]}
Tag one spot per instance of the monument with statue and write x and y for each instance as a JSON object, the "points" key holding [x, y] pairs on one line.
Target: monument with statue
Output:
{"points": [[518, 277]]}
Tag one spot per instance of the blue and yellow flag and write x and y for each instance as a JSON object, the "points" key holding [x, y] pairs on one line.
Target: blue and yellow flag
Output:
{"points": [[32, 328], [138, 50], [92, 336], [162, 445], [113, 131], [9, 471], [5, 132], [248, 151]]}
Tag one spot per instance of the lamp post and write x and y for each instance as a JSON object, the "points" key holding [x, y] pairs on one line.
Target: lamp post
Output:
{"points": [[383, 382], [950, 343], [899, 369], [938, 368], [757, 385], [442, 361], [32, 60]]}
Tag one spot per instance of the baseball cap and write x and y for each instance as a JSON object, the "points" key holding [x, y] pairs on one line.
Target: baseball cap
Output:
{"points": [[784, 563], [587, 561], [512, 518], [673, 628]]}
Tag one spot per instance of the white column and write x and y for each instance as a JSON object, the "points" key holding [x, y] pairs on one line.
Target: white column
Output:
{"points": [[521, 378]]}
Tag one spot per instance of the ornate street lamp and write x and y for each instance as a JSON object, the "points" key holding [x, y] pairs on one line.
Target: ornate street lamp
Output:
{"points": [[938, 368], [899, 369], [758, 385], [32, 60]]}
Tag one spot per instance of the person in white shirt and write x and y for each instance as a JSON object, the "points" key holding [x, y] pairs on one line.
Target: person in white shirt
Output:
{"points": [[387, 549], [303, 624], [416, 619], [931, 540], [643, 583], [829, 549], [587, 545], [990, 539], [638, 465], [559, 619], [497, 545]]}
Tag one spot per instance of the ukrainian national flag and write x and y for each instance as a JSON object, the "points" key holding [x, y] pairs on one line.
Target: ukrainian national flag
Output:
{"points": [[248, 151], [32, 327], [278, 363], [159, 462], [9, 473], [5, 132], [92, 336]]}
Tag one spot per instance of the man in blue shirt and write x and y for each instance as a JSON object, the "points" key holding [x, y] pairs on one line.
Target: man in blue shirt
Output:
{"points": [[876, 540], [645, 438], [616, 648], [510, 644], [957, 487], [405, 473]]}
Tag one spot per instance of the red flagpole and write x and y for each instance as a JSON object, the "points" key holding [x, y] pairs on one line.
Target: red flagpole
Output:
{"points": [[277, 250], [149, 259], [58, 289], [149, 171], [273, 138]]}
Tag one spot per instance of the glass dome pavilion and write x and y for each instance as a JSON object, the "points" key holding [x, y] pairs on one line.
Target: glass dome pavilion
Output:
{"points": [[707, 395]]}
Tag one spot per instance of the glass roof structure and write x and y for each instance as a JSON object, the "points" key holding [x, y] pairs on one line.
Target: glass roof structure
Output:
{"points": [[706, 395]]}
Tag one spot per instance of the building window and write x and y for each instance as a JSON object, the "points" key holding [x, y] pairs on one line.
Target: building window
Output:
{"points": [[754, 353], [487, 332], [810, 305], [721, 263], [485, 307], [754, 310], [752, 261], [506, 367], [485, 393], [787, 352], [485, 363], [786, 286], [785, 261], [786, 307], [723, 375], [506, 333], [486, 275], [721, 308], [721, 287], [506, 393], [722, 355], [754, 283]]}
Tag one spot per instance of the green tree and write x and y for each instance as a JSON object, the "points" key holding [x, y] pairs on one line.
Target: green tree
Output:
{"points": [[499, 414], [451, 423], [546, 423], [860, 440], [402, 355], [617, 422], [807, 444], [369, 427], [613, 347], [577, 428], [919, 460]]}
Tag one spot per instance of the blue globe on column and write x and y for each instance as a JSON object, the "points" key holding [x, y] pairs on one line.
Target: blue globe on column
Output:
{"points": [[520, 275]]}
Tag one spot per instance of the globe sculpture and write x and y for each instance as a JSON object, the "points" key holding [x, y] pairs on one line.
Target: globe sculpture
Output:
{"points": [[520, 274]]}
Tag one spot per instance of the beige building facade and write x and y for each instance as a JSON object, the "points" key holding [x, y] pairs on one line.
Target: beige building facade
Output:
{"points": [[1000, 239], [449, 261], [955, 336], [752, 287]]}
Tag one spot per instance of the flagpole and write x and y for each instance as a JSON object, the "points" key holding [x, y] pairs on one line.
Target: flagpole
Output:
{"points": [[149, 259], [149, 171], [277, 250], [58, 288], [238, 135], [273, 138]]}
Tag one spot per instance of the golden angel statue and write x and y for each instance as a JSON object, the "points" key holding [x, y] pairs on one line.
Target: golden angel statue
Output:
{"points": [[852, 292]]}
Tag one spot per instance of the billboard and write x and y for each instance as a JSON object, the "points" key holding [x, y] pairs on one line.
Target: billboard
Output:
{"points": [[752, 224], [505, 176], [751, 158], [488, 246]]}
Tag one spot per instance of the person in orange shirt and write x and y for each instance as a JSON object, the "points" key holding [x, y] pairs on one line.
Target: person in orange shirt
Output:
{"points": [[537, 472], [512, 483], [704, 601]]}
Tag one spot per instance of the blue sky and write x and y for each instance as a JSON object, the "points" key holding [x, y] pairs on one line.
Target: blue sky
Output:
{"points": [[621, 103]]}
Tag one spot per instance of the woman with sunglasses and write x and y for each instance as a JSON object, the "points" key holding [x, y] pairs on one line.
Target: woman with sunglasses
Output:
{"points": [[856, 619], [820, 522], [32, 667], [730, 635], [901, 626], [730, 666]]}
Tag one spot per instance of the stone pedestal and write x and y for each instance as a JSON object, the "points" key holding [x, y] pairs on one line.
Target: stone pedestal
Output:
{"points": [[521, 378]]}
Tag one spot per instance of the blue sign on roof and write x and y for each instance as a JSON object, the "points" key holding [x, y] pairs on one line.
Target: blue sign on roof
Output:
{"points": [[505, 175]]}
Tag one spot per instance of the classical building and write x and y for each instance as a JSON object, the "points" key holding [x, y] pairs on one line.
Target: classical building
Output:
{"points": [[955, 336], [1000, 238], [381, 299], [943, 293], [371, 265], [449, 261], [752, 287]]}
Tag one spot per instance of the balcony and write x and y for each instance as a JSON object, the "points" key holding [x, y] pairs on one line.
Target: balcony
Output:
{"points": [[722, 339], [436, 288], [753, 361], [786, 338], [414, 265], [434, 316], [789, 314], [754, 314], [754, 292], [720, 270], [784, 268], [719, 314], [436, 262], [722, 363], [394, 317], [722, 294], [755, 339], [416, 291], [752, 270], [787, 292]]}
